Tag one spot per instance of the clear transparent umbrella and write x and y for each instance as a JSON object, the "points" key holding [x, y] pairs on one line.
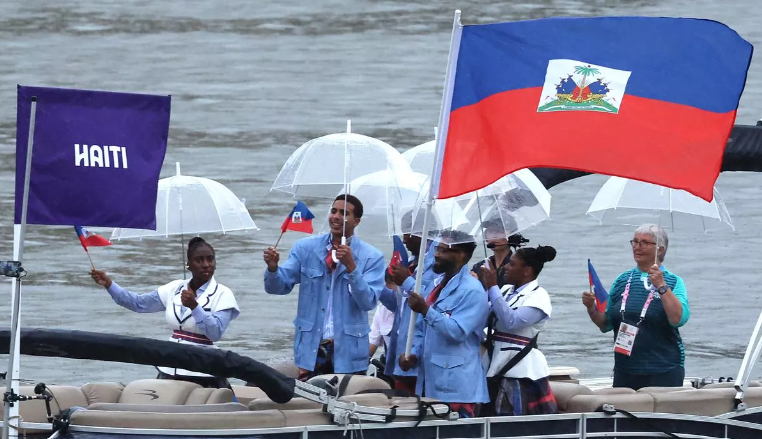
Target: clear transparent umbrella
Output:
{"points": [[386, 196], [324, 166], [421, 157], [514, 202], [633, 202], [187, 205]]}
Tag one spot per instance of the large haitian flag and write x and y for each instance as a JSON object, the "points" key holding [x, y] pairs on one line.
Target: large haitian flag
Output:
{"points": [[96, 156], [651, 99]]}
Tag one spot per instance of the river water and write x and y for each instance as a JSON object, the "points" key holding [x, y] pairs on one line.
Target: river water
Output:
{"points": [[251, 81]]}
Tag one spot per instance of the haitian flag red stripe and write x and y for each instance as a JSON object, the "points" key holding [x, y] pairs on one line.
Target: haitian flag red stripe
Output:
{"points": [[652, 99]]}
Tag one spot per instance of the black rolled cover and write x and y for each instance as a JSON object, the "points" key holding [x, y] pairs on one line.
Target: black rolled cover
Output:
{"points": [[742, 153], [137, 350]]}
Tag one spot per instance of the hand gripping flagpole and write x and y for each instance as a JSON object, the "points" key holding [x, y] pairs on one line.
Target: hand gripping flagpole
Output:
{"points": [[436, 171], [10, 410]]}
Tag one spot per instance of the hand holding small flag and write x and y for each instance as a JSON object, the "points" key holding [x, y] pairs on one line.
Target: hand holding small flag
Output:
{"points": [[600, 293]]}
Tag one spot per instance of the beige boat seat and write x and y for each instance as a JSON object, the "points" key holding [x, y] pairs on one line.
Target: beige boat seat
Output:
{"points": [[163, 408], [564, 392], [172, 392], [64, 397], [632, 402], [202, 421], [614, 391], [102, 392], [655, 389], [296, 403], [704, 402], [357, 383], [727, 385], [576, 398], [246, 394]]}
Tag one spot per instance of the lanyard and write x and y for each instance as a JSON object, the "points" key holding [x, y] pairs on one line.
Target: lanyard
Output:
{"points": [[626, 294]]}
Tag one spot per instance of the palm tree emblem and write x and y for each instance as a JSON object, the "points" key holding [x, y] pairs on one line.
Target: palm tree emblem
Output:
{"points": [[579, 93]]}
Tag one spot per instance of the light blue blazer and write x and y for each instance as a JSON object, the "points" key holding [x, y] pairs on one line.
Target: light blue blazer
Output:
{"points": [[447, 342], [354, 294], [397, 303]]}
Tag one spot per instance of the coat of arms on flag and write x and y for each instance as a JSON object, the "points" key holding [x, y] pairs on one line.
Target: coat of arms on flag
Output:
{"points": [[296, 218], [578, 86]]}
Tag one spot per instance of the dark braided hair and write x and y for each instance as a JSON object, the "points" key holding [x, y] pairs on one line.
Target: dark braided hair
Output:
{"points": [[536, 257], [196, 243]]}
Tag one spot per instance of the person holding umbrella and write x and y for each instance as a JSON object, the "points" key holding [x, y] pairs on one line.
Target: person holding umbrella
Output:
{"points": [[198, 310], [518, 371], [394, 297], [331, 325], [646, 306], [502, 248], [452, 313]]}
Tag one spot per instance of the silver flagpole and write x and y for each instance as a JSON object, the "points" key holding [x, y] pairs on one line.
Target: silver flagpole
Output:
{"points": [[441, 139], [14, 351]]}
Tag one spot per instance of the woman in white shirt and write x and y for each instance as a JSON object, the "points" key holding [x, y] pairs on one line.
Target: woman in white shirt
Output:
{"points": [[197, 310], [518, 372]]}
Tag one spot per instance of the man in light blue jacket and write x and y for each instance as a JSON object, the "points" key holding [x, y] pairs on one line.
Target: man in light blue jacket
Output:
{"points": [[396, 301], [452, 314], [334, 298]]}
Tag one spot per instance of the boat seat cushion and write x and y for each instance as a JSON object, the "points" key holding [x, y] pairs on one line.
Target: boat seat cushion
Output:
{"points": [[653, 390], [296, 403], [191, 421], [359, 383], [633, 402], [727, 385], [159, 408], [703, 402], [64, 397], [298, 418], [209, 396], [564, 391], [614, 391], [246, 394], [102, 392], [153, 391]]}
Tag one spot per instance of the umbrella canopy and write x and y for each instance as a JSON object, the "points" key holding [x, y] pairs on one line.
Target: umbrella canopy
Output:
{"points": [[511, 204], [633, 202], [421, 157], [324, 166], [188, 205], [386, 196]]}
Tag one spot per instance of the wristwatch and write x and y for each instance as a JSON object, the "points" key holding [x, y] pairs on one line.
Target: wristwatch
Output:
{"points": [[662, 289]]}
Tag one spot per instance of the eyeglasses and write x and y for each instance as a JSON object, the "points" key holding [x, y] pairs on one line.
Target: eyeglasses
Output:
{"points": [[643, 243]]}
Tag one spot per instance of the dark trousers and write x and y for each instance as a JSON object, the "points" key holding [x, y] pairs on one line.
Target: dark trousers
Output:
{"points": [[672, 378]]}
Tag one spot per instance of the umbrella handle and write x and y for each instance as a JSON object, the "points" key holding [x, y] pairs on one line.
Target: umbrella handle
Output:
{"points": [[333, 252]]}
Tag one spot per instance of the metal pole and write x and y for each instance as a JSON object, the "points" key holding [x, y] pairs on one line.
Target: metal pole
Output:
{"points": [[444, 121], [19, 234]]}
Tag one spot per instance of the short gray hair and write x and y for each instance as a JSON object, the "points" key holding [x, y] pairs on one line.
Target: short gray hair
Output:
{"points": [[659, 234]]}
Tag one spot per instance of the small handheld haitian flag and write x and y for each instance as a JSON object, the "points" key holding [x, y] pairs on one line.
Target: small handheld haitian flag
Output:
{"points": [[601, 295], [399, 254], [88, 238], [299, 220]]}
